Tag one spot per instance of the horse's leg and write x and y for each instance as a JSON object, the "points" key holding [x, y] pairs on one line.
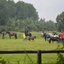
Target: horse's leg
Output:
{"points": [[50, 41], [45, 38], [29, 39], [15, 36], [10, 37]]}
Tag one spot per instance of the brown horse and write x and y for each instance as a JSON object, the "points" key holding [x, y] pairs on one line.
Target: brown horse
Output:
{"points": [[31, 38], [12, 34]]}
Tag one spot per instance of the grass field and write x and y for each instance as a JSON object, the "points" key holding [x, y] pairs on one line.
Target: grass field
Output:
{"points": [[13, 44]]}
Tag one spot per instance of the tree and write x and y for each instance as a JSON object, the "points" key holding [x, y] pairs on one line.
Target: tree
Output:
{"points": [[3, 13], [24, 10], [60, 21]]}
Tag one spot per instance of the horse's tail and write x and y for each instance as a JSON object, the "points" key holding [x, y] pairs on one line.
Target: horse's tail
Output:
{"points": [[16, 36]]}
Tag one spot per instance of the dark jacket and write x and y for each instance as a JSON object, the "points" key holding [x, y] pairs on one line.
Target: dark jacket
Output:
{"points": [[55, 33]]}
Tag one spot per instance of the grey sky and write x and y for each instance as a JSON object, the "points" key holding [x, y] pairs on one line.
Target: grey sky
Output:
{"points": [[48, 9]]}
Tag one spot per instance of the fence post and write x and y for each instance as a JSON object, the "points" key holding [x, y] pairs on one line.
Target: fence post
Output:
{"points": [[39, 57]]}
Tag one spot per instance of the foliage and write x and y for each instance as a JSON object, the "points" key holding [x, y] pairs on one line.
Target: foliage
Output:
{"points": [[31, 25], [60, 59], [2, 61], [19, 10], [60, 21]]}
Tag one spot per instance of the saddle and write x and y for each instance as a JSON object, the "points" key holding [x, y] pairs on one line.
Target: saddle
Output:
{"points": [[10, 32], [55, 36]]}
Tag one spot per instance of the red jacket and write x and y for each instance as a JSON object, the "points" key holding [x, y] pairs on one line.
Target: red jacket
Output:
{"points": [[62, 35]]}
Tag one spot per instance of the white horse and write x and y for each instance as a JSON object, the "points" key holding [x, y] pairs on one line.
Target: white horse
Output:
{"points": [[42, 34], [51, 35]]}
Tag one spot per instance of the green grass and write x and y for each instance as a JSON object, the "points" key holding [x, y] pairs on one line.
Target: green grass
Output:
{"points": [[19, 44], [13, 44]]}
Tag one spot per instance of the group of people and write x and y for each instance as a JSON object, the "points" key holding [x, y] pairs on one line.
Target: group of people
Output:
{"points": [[61, 35]]}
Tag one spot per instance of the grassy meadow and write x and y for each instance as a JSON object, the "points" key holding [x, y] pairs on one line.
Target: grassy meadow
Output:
{"points": [[39, 43]]}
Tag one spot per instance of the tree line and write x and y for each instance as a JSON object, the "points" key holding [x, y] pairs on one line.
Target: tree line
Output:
{"points": [[21, 16], [28, 23]]}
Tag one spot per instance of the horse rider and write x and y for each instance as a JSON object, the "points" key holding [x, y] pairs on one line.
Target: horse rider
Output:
{"points": [[55, 33], [27, 32], [43, 31]]}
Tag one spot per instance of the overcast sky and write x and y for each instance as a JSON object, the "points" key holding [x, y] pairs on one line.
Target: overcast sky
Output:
{"points": [[48, 9]]}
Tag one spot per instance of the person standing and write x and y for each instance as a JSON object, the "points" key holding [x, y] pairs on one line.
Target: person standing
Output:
{"points": [[45, 36], [24, 37], [27, 31], [62, 35], [43, 31]]}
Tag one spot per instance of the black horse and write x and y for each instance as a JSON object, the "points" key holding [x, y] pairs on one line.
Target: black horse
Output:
{"points": [[12, 34], [27, 34], [54, 39]]}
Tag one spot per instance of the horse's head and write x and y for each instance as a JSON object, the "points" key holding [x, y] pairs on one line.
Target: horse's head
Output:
{"points": [[7, 32], [49, 34], [44, 34], [34, 36]]}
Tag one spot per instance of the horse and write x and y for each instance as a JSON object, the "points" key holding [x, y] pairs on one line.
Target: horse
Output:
{"points": [[51, 35], [12, 34], [42, 34], [28, 34], [54, 39], [31, 38]]}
